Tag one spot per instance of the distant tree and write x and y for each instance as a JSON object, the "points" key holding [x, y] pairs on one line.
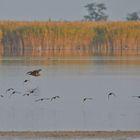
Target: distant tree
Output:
{"points": [[134, 16], [96, 12]]}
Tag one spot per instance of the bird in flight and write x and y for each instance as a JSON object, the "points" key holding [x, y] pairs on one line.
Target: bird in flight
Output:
{"points": [[34, 90], [136, 96], [25, 81], [15, 92], [9, 89], [42, 99], [34, 72], [55, 97], [85, 99], [111, 94], [31, 91], [26, 94], [1, 96]]}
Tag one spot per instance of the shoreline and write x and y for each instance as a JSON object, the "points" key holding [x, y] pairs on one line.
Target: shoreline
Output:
{"points": [[69, 134]]}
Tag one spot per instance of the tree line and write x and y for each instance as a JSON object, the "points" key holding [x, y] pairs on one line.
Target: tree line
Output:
{"points": [[97, 12]]}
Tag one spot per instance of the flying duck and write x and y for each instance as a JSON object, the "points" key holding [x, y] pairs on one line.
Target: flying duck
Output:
{"points": [[34, 72]]}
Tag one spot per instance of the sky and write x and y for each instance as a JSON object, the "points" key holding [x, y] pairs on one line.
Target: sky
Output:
{"points": [[62, 9]]}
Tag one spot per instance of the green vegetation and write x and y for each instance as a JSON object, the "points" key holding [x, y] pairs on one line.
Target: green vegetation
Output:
{"points": [[134, 16], [96, 12]]}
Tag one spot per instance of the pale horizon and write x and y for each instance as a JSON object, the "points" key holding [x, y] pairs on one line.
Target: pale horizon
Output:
{"points": [[43, 10]]}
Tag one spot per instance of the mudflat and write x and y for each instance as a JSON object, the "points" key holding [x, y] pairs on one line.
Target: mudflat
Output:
{"points": [[70, 134]]}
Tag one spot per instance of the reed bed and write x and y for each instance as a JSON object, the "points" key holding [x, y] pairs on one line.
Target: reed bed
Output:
{"points": [[20, 37]]}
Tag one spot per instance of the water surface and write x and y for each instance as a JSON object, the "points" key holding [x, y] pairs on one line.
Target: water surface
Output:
{"points": [[72, 78]]}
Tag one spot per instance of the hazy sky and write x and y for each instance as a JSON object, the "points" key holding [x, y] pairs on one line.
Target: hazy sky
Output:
{"points": [[62, 9]]}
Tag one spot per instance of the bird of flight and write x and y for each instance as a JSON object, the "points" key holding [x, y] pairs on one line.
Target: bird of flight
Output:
{"points": [[42, 99], [34, 72], [85, 99], [55, 97], [111, 94]]}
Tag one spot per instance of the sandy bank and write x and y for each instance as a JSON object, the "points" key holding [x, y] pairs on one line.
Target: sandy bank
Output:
{"points": [[70, 134]]}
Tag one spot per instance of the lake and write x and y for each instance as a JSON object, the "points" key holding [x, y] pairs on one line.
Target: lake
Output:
{"points": [[73, 79]]}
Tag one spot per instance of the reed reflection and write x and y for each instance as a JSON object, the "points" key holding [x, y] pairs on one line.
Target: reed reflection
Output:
{"points": [[68, 57], [69, 52]]}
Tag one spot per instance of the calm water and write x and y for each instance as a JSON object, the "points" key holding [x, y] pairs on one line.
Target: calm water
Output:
{"points": [[72, 79]]}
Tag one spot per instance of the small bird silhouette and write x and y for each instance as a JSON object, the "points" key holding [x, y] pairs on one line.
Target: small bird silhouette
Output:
{"points": [[34, 72], [9, 89], [111, 94], [85, 99], [1, 96], [55, 97], [136, 96], [31, 91], [34, 90], [26, 94], [25, 81], [42, 99], [15, 92]]}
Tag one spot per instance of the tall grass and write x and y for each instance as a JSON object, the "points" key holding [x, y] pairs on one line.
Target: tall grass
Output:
{"points": [[19, 37]]}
